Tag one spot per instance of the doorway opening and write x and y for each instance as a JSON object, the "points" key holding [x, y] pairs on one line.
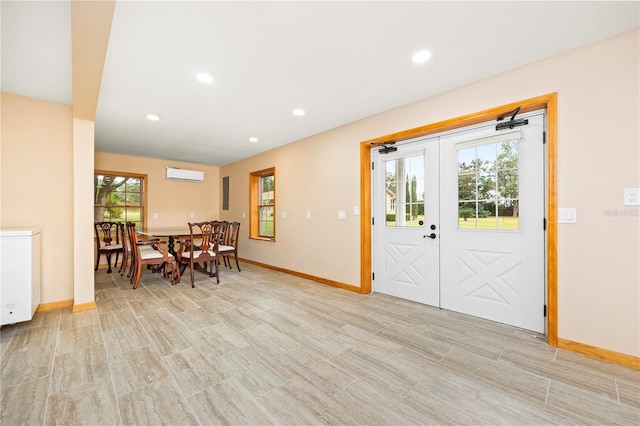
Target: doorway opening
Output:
{"points": [[547, 102]]}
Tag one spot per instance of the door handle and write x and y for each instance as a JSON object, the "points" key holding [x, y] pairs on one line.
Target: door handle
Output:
{"points": [[432, 236]]}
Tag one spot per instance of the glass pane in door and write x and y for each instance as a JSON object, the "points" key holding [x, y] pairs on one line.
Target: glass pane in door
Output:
{"points": [[404, 191], [488, 186]]}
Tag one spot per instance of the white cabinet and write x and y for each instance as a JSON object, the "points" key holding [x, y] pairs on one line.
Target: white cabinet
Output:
{"points": [[19, 274]]}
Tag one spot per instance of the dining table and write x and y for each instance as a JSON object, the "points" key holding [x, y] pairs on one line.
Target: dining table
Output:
{"points": [[169, 233]]}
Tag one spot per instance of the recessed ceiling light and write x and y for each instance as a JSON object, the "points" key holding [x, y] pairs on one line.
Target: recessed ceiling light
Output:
{"points": [[204, 78], [153, 117], [253, 139], [299, 112], [421, 56]]}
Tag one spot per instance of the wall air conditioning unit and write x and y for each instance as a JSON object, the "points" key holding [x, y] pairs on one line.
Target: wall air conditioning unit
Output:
{"points": [[174, 173]]}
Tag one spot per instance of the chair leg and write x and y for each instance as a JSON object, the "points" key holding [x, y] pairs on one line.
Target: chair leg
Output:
{"points": [[133, 270], [123, 265], [235, 256], [109, 263], [131, 267], [175, 273], [97, 261], [191, 267], [217, 265], [137, 276], [165, 274]]}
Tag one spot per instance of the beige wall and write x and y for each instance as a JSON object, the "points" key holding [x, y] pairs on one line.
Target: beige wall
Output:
{"points": [[598, 136], [37, 184], [173, 201]]}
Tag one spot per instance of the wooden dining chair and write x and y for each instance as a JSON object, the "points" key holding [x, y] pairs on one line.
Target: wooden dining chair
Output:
{"points": [[149, 252], [230, 244], [220, 228], [109, 241], [200, 251]]}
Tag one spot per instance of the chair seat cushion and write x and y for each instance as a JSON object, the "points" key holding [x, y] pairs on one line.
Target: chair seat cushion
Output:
{"points": [[152, 254], [112, 247], [196, 254], [226, 248], [147, 249]]}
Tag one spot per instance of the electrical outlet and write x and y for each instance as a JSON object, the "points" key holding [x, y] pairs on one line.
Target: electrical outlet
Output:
{"points": [[155, 215], [192, 215], [632, 196]]}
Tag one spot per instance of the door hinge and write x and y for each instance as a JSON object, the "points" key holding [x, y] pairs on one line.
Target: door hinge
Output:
{"points": [[544, 137], [373, 166], [373, 276], [544, 224], [545, 310], [373, 221]]}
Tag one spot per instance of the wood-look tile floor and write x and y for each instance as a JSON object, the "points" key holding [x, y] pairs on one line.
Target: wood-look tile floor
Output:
{"points": [[264, 348]]}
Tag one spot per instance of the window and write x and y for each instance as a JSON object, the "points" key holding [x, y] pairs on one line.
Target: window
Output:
{"points": [[119, 198], [404, 182], [263, 204], [488, 188]]}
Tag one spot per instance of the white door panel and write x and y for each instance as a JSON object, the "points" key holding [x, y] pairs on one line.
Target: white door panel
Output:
{"points": [[497, 273], [406, 261]]}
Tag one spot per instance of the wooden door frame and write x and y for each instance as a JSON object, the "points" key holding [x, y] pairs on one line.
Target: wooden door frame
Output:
{"points": [[548, 102]]}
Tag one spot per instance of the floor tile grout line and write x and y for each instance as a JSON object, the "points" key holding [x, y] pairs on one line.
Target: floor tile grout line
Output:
{"points": [[546, 396], [615, 381]]}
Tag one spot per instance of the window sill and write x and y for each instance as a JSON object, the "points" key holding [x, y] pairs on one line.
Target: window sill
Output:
{"points": [[271, 239]]}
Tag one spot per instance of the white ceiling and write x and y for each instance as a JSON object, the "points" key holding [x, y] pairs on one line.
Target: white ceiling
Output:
{"points": [[339, 61]]}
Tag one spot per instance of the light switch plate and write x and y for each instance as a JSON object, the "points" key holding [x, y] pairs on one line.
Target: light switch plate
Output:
{"points": [[632, 196], [308, 214], [342, 215], [567, 215]]}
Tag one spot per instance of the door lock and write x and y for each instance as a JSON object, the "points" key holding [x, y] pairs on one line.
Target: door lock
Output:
{"points": [[432, 236]]}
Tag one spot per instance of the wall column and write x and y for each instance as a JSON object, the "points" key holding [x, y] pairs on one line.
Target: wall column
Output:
{"points": [[83, 276]]}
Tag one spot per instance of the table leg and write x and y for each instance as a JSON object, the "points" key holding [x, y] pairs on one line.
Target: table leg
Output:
{"points": [[172, 246]]}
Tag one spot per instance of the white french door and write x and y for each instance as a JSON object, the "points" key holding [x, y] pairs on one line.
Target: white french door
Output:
{"points": [[406, 216], [477, 245]]}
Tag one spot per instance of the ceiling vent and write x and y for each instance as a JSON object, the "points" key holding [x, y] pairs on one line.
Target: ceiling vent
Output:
{"points": [[174, 173]]}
